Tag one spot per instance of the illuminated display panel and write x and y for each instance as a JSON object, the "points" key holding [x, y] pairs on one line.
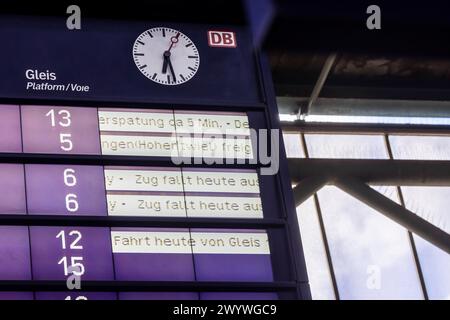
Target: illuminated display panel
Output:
{"points": [[198, 296], [60, 130], [74, 190], [144, 191], [131, 254], [152, 254], [12, 189], [83, 295], [135, 120], [126, 132], [15, 295], [147, 191], [232, 255], [15, 262], [83, 173], [76, 295], [82, 130], [10, 133], [138, 254], [203, 255], [137, 132], [130, 191], [179, 133], [158, 296], [55, 249], [213, 134], [212, 122], [222, 193], [238, 296]]}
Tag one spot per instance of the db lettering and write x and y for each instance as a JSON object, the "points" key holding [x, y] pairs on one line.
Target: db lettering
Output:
{"points": [[222, 39]]}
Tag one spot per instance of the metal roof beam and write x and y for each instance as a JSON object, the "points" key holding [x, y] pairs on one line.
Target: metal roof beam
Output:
{"points": [[395, 212], [374, 172]]}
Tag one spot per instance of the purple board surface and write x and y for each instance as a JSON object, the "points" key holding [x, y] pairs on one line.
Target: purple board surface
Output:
{"points": [[12, 189], [218, 255], [238, 296], [158, 296], [61, 130], [153, 267], [232, 255], [14, 295], [154, 264], [14, 253], [90, 247], [76, 295], [10, 133], [230, 267], [74, 190]]}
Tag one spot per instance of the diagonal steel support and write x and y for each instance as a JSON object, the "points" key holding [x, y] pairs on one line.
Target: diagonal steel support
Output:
{"points": [[329, 62], [307, 187], [394, 211]]}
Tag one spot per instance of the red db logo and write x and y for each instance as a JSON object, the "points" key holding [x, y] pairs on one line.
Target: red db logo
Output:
{"points": [[222, 39]]}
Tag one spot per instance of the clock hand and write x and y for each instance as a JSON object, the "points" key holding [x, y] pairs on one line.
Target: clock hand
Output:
{"points": [[171, 70], [173, 41], [166, 54], [166, 57]]}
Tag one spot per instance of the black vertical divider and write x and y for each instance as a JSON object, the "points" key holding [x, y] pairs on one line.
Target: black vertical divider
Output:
{"points": [[292, 231]]}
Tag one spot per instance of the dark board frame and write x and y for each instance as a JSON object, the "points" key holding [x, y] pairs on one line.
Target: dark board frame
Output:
{"points": [[290, 278]]}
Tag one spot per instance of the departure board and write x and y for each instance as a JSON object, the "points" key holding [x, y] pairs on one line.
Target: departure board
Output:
{"points": [[158, 133], [122, 182]]}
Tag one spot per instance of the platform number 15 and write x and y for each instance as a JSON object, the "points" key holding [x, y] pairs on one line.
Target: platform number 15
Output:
{"points": [[62, 118], [71, 264]]}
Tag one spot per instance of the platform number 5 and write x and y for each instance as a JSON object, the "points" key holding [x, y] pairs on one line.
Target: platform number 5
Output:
{"points": [[62, 119]]}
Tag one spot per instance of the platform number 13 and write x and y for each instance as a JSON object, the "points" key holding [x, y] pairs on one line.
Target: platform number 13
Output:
{"points": [[62, 119]]}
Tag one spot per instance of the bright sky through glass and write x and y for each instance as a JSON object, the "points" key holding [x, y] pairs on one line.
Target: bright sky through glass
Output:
{"points": [[363, 242]]}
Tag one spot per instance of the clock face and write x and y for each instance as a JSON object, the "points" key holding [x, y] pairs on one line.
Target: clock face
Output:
{"points": [[166, 56]]}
